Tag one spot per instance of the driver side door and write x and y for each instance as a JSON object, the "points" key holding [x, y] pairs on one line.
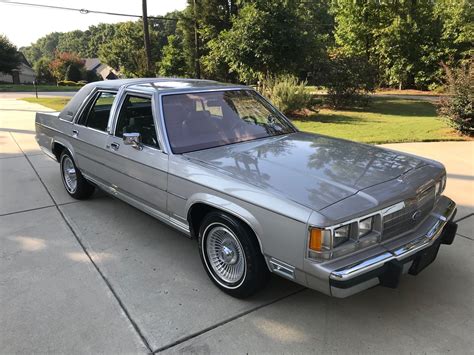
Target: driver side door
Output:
{"points": [[138, 174]]}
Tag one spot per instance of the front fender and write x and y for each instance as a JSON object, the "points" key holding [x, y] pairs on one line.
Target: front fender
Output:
{"points": [[229, 207]]}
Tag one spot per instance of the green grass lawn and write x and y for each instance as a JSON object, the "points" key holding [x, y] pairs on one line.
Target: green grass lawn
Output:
{"points": [[386, 120], [55, 103], [31, 88]]}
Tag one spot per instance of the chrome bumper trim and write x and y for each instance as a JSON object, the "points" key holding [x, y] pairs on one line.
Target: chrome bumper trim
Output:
{"points": [[367, 265]]}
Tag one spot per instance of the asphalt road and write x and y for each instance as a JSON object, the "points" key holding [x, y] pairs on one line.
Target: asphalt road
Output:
{"points": [[99, 276]]}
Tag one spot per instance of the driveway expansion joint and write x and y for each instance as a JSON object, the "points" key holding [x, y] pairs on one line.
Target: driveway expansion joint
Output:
{"points": [[28, 210], [463, 218], [224, 322], [84, 249], [461, 235]]}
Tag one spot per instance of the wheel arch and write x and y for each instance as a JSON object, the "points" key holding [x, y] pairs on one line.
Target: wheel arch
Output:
{"points": [[58, 146], [201, 204]]}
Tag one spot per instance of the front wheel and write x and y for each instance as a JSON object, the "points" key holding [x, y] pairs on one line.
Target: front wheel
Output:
{"points": [[231, 255], [76, 185]]}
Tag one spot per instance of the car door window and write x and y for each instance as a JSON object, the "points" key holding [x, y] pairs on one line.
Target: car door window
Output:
{"points": [[97, 114], [136, 116]]}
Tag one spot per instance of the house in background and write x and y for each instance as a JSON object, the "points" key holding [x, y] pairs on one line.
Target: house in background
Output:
{"points": [[102, 70], [23, 75]]}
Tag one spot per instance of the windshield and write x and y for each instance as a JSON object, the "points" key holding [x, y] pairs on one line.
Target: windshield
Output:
{"points": [[211, 119]]}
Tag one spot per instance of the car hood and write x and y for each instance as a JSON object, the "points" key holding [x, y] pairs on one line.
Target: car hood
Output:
{"points": [[312, 170]]}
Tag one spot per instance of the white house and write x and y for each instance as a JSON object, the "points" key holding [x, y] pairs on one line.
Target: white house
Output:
{"points": [[23, 75]]}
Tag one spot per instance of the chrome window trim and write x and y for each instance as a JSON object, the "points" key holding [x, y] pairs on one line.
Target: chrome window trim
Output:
{"points": [[112, 126], [92, 95]]}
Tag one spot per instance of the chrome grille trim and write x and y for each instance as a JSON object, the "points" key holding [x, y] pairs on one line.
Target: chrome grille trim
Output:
{"points": [[415, 211]]}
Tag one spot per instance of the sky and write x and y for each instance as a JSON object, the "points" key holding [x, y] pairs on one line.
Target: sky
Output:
{"points": [[24, 25]]}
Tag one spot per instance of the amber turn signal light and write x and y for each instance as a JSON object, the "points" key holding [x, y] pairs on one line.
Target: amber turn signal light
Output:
{"points": [[315, 239]]}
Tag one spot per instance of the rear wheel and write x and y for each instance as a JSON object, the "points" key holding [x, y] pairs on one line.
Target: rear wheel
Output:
{"points": [[231, 255], [76, 185]]}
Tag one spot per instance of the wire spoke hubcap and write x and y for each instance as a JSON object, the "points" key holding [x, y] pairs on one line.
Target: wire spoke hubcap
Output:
{"points": [[225, 254], [69, 175]]}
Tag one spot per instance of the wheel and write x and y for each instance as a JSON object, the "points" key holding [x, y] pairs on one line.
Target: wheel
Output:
{"points": [[231, 255], [76, 185]]}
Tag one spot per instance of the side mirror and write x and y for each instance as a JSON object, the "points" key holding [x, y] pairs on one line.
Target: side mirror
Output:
{"points": [[133, 139]]}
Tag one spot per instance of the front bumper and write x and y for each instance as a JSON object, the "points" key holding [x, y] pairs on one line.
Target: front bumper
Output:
{"points": [[384, 264]]}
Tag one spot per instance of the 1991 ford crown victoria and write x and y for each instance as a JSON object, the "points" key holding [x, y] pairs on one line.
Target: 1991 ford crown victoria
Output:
{"points": [[221, 164]]}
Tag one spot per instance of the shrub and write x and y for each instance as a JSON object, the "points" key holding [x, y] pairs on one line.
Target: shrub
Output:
{"points": [[73, 73], [286, 92], [92, 76], [69, 83], [458, 107], [348, 80], [65, 62]]}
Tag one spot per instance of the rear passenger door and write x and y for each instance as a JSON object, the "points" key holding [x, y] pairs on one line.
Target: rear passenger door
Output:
{"points": [[139, 174], [90, 134]]}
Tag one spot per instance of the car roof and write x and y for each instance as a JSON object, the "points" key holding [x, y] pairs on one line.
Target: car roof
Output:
{"points": [[145, 85], [162, 84]]}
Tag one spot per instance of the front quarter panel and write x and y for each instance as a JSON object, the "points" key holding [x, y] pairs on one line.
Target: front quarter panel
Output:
{"points": [[280, 226]]}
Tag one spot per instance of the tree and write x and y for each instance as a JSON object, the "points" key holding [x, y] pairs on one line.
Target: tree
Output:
{"points": [[349, 78], [405, 39], [125, 52], [44, 47], [65, 64], [9, 57], [265, 38], [201, 22], [173, 62], [74, 42], [457, 18], [42, 70]]}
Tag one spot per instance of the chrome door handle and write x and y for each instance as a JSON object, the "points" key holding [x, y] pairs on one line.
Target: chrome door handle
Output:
{"points": [[75, 133], [114, 146]]}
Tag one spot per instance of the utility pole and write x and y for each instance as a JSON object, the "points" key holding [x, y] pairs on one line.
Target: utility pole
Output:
{"points": [[197, 54], [146, 38]]}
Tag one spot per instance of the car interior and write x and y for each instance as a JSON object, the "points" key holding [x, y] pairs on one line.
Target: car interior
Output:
{"points": [[136, 116]]}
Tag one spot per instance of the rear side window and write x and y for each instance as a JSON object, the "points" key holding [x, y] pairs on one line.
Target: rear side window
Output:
{"points": [[136, 116], [97, 114]]}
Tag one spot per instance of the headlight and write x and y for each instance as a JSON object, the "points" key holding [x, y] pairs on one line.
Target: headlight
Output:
{"points": [[365, 226], [440, 185], [320, 239], [341, 235], [334, 241]]}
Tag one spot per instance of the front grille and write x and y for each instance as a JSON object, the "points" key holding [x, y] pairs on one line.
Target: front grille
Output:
{"points": [[402, 221]]}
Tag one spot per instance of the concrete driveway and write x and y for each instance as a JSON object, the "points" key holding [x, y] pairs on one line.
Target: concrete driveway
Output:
{"points": [[100, 276]]}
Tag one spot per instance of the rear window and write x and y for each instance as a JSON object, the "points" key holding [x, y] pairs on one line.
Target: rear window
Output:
{"points": [[96, 115]]}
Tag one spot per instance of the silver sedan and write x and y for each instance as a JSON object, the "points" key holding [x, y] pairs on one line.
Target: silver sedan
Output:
{"points": [[221, 164]]}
